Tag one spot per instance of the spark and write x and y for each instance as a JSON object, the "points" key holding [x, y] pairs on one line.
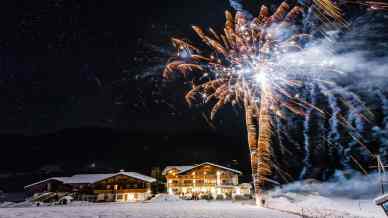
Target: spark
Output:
{"points": [[259, 63]]}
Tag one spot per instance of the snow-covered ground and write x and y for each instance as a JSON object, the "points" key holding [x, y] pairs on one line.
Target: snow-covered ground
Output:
{"points": [[164, 198], [345, 195], [319, 206], [309, 206], [168, 209]]}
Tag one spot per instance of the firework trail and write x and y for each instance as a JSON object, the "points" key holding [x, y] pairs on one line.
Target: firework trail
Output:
{"points": [[333, 134], [356, 121], [237, 5], [306, 133], [264, 63], [371, 5], [383, 132], [384, 103]]}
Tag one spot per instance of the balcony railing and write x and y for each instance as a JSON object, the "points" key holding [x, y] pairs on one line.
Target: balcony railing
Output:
{"points": [[132, 190], [197, 184]]}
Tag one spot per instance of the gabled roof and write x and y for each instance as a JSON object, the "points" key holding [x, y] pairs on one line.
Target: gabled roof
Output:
{"points": [[381, 199], [179, 168], [59, 179], [183, 169], [93, 178]]}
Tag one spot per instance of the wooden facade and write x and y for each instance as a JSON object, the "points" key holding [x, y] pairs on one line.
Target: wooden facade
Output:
{"points": [[121, 187], [205, 180]]}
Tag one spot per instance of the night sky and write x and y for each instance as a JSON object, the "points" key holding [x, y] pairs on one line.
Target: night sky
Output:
{"points": [[80, 84], [82, 90]]}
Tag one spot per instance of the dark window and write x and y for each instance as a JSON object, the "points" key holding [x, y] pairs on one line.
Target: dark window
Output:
{"points": [[385, 206]]}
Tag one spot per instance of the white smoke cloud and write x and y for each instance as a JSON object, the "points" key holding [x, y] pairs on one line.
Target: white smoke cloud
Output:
{"points": [[349, 185]]}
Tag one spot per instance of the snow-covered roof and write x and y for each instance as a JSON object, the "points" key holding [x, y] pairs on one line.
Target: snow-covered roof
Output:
{"points": [[183, 169], [215, 165], [381, 199], [93, 178], [59, 179], [179, 168]]}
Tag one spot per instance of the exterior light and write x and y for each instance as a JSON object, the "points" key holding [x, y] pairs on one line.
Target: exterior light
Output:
{"points": [[238, 191]]}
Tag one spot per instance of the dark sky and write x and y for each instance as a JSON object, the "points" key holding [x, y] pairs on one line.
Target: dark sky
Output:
{"points": [[73, 63], [80, 83]]}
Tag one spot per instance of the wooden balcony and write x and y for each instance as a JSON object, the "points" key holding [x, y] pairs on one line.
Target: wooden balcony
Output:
{"points": [[132, 190]]}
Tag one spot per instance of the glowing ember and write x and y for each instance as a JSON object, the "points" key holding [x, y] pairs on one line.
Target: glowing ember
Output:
{"points": [[259, 63]]}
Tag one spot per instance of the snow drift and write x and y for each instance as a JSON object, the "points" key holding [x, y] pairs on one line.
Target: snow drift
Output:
{"points": [[347, 194], [164, 198]]}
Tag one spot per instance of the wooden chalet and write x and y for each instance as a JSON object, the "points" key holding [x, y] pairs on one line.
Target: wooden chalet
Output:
{"points": [[206, 180], [121, 186]]}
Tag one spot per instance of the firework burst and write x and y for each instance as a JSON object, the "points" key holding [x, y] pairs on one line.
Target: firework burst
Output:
{"points": [[260, 64]]}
